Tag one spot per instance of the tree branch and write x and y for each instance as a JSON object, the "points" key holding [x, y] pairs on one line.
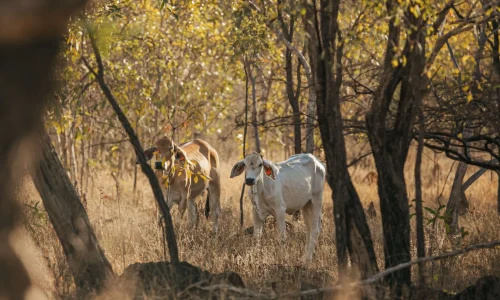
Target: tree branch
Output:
{"points": [[146, 168]]}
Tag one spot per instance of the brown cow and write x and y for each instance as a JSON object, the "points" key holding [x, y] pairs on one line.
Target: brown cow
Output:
{"points": [[190, 169]]}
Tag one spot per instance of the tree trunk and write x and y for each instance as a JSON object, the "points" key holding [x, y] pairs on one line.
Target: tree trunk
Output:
{"points": [[498, 192], [352, 231], [294, 103], [418, 201], [27, 54], [311, 41], [87, 262], [457, 196], [254, 111], [390, 145], [293, 98], [64, 150]]}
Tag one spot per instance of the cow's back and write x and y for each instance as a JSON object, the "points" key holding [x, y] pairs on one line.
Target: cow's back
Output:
{"points": [[200, 151], [302, 176], [305, 161]]}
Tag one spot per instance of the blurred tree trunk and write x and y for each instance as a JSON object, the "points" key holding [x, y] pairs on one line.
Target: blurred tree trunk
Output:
{"points": [[27, 54], [352, 231], [88, 264]]}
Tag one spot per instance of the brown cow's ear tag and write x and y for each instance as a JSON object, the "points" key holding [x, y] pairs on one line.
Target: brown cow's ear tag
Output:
{"points": [[180, 157]]}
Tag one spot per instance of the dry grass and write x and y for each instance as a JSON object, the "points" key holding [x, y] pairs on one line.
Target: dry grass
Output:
{"points": [[130, 235]]}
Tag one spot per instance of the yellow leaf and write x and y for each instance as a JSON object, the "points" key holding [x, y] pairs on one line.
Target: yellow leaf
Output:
{"points": [[195, 179], [394, 63], [469, 97], [166, 184], [164, 177], [180, 173], [459, 135], [403, 58], [466, 58]]}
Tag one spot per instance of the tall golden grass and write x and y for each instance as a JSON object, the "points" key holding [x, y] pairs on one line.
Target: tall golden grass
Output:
{"points": [[126, 228]]}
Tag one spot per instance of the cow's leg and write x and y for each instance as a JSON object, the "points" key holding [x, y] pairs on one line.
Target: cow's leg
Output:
{"points": [[192, 213], [258, 224], [281, 220], [306, 214], [214, 187], [315, 220]]}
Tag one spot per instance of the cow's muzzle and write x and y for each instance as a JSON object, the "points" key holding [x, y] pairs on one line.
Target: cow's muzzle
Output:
{"points": [[250, 181]]}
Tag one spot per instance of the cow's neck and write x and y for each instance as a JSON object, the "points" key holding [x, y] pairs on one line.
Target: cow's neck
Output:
{"points": [[259, 192]]}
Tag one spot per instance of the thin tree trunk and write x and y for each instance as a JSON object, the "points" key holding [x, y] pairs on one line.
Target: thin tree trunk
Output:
{"points": [[452, 207], [254, 112], [498, 192], [148, 171], [311, 41], [64, 149], [87, 165], [293, 98], [82, 169], [418, 199], [135, 165], [74, 162], [245, 128], [87, 262]]}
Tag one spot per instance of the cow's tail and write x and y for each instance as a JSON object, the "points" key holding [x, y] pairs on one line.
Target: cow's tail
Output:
{"points": [[207, 206]]}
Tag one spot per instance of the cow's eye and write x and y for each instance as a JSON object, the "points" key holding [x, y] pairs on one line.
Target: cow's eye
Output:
{"points": [[260, 165]]}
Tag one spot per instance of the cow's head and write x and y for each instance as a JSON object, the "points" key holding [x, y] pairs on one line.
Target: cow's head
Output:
{"points": [[255, 166], [166, 148]]}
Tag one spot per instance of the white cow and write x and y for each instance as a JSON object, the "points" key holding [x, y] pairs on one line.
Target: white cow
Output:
{"points": [[286, 187]]}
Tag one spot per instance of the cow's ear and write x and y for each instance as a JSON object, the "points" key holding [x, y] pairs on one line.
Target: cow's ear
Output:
{"points": [[180, 154], [270, 169], [238, 168], [148, 153]]}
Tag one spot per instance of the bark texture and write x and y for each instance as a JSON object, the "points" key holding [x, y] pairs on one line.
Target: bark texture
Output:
{"points": [[352, 232], [390, 141], [87, 262]]}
